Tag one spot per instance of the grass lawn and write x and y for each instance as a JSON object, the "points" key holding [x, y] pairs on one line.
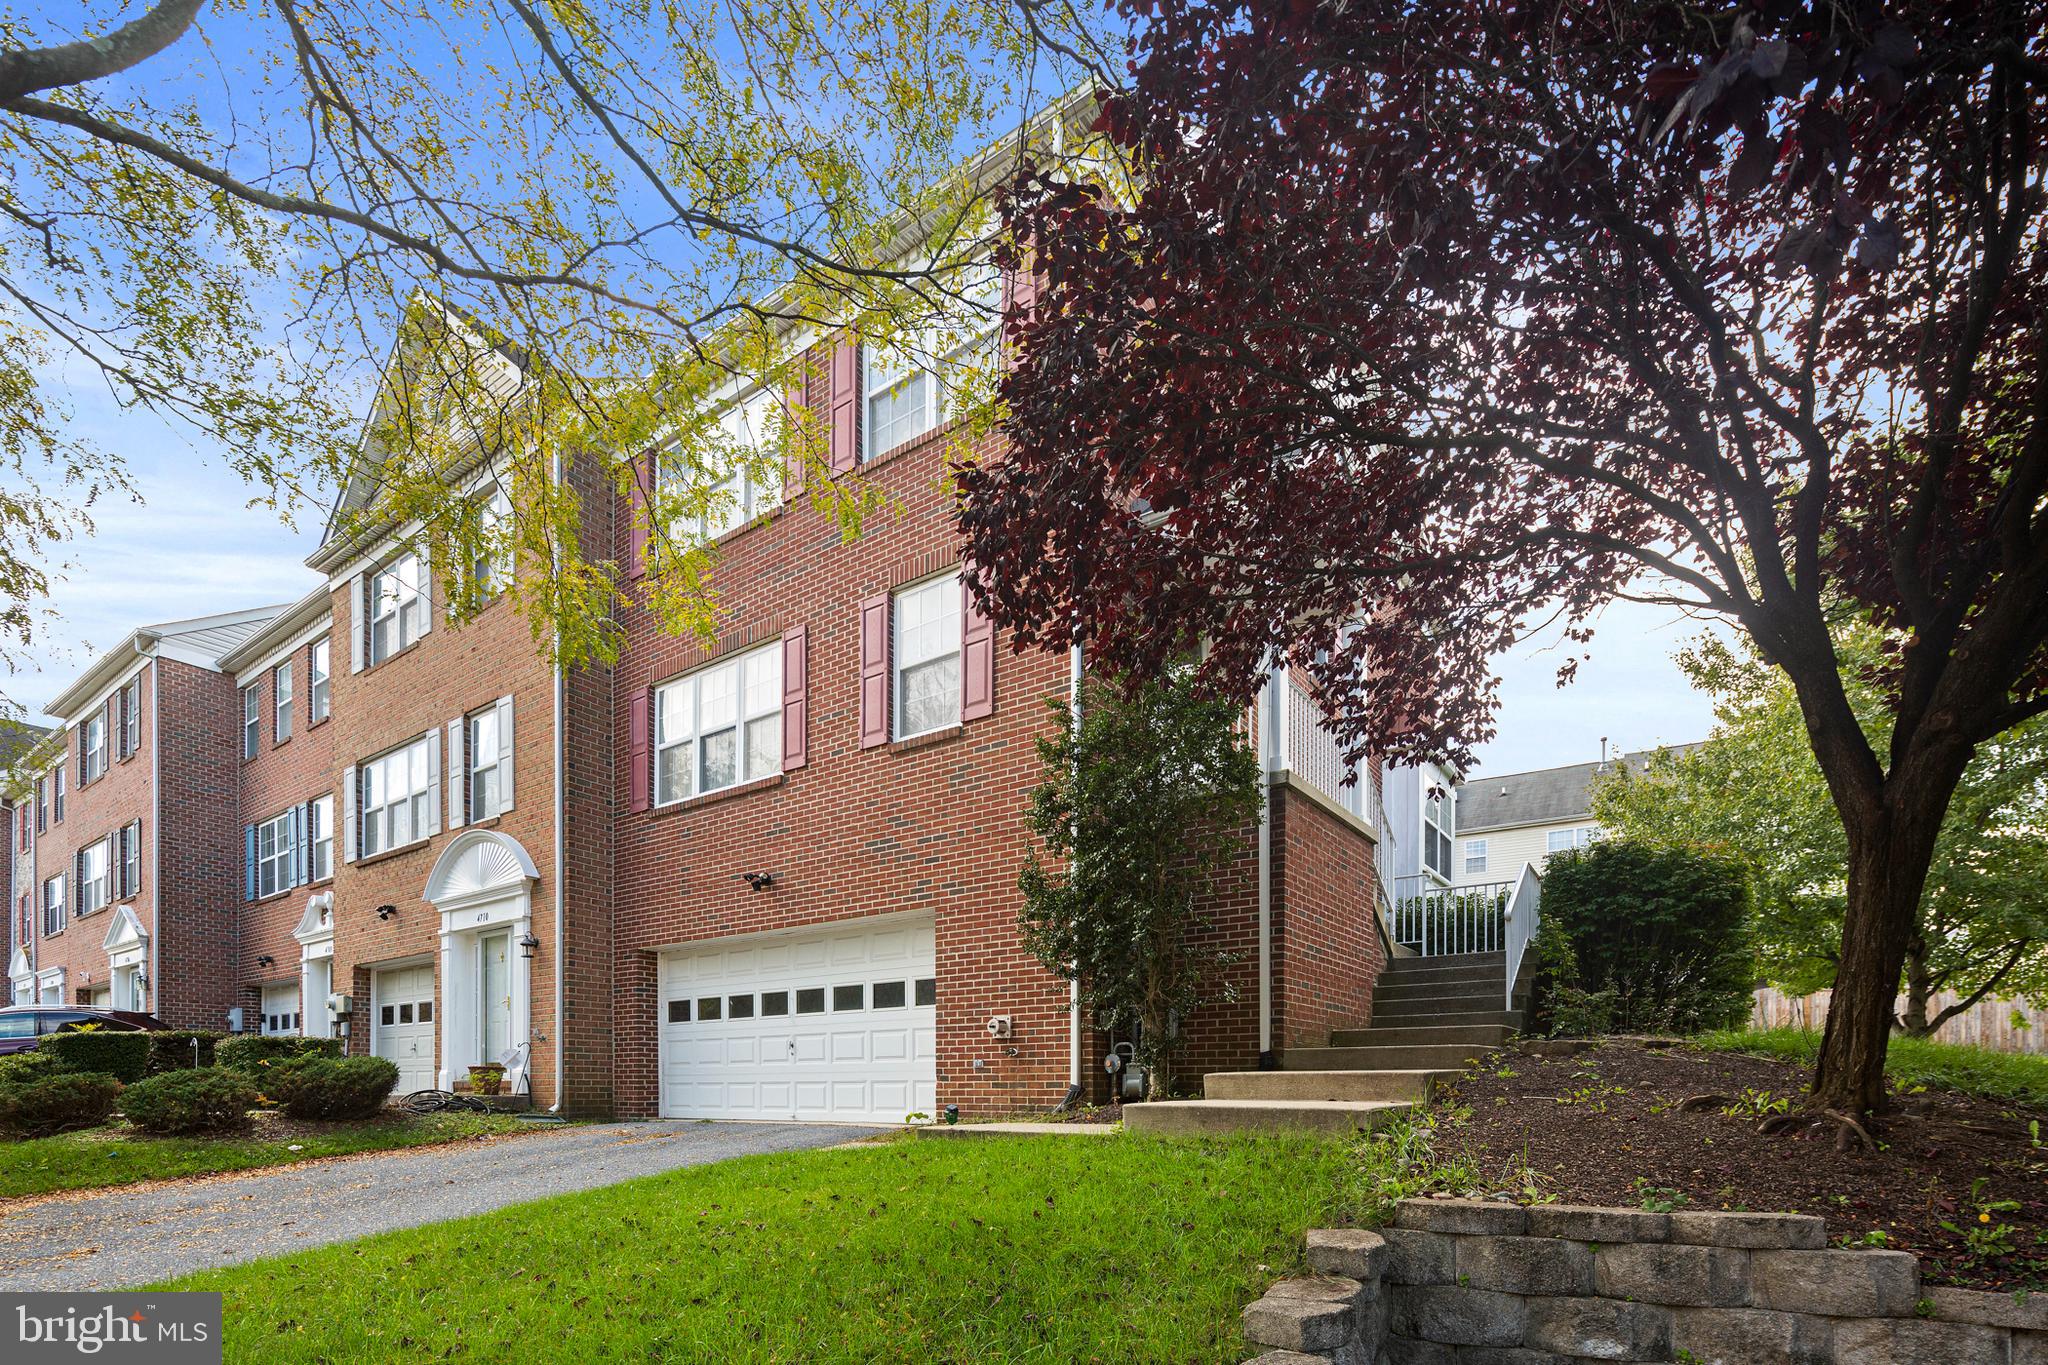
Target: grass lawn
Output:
{"points": [[911, 1249], [118, 1155], [2016, 1076]]}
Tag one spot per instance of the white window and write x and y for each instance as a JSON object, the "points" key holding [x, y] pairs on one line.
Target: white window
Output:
{"points": [[906, 396], [719, 726], [54, 906], [1475, 856], [92, 748], [1436, 832], [739, 489], [281, 702], [491, 569], [396, 790], [252, 720], [276, 852], [1558, 840], [281, 1009], [398, 607], [131, 717], [130, 848], [95, 877], [57, 797], [317, 679], [320, 839], [483, 742], [926, 656]]}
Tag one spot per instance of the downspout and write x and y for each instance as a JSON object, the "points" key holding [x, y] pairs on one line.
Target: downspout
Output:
{"points": [[561, 849], [1074, 987], [1272, 732], [156, 825]]}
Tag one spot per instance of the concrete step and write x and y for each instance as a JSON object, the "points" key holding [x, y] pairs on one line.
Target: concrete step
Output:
{"points": [[1445, 1019], [1409, 1057], [1406, 975], [1408, 1011], [1496, 961], [1384, 989], [1322, 1085], [1195, 1118], [1400, 1035]]}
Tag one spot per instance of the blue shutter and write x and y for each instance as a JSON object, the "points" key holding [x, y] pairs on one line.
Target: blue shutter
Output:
{"points": [[298, 845], [248, 862]]}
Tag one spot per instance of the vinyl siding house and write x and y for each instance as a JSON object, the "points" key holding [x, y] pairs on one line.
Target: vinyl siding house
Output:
{"points": [[1517, 818]]}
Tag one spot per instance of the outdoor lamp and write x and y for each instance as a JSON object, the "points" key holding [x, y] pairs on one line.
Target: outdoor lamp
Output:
{"points": [[529, 946]]}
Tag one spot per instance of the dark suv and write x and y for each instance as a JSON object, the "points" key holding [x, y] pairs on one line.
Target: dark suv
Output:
{"points": [[22, 1026]]}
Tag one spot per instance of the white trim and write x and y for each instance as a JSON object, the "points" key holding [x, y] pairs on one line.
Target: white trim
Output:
{"points": [[482, 884], [302, 641]]}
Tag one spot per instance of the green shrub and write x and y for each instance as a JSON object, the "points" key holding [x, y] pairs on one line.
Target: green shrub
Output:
{"points": [[18, 1068], [332, 1087], [123, 1055], [201, 1100], [171, 1049], [1665, 930], [259, 1053], [57, 1103]]}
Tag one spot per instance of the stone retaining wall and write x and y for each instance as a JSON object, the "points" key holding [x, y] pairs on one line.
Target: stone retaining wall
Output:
{"points": [[1471, 1282]]}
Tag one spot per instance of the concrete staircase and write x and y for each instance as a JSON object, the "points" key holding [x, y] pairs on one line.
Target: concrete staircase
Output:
{"points": [[1431, 1017]]}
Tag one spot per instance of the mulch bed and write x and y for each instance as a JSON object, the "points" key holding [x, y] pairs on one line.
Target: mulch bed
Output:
{"points": [[1604, 1128]]}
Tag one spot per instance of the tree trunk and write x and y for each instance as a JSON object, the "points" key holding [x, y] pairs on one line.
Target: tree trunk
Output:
{"points": [[1919, 988], [1891, 848]]}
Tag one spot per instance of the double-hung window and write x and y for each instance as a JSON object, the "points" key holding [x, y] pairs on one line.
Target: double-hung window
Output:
{"points": [[57, 796], [910, 384], [398, 607], [396, 789], [484, 751], [318, 689], [276, 854], [1558, 840], [742, 482], [131, 717], [95, 877], [42, 804], [926, 655], [252, 721], [491, 569], [128, 845], [54, 905], [320, 838], [1436, 833], [1475, 856], [281, 703], [719, 727], [92, 747]]}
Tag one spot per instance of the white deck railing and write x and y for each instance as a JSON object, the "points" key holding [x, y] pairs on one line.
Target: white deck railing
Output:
{"points": [[1437, 920], [1524, 917], [1311, 752]]}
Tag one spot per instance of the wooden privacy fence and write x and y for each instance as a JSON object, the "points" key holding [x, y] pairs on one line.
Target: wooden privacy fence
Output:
{"points": [[2004, 1025]]}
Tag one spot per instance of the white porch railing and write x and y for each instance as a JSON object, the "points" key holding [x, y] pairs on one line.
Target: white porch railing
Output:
{"points": [[1310, 751], [1523, 918], [1437, 920]]}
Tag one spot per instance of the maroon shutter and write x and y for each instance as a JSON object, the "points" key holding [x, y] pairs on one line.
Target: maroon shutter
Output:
{"points": [[640, 753], [1020, 292], [845, 408], [794, 437], [643, 490], [977, 658], [874, 670], [796, 706]]}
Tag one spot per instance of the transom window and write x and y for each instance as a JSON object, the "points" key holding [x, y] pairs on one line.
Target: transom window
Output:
{"points": [[398, 607], [276, 852], [318, 684], [926, 654], [719, 727], [741, 483], [92, 747], [95, 877], [281, 703], [395, 793]]}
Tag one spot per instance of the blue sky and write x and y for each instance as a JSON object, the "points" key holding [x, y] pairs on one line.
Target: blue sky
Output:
{"points": [[193, 547]]}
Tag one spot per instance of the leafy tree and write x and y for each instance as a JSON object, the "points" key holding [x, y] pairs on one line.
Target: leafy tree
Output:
{"points": [[1755, 792], [1661, 931], [1142, 801], [1423, 321], [579, 221]]}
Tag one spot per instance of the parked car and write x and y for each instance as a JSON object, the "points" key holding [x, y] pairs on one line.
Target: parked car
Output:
{"points": [[23, 1026]]}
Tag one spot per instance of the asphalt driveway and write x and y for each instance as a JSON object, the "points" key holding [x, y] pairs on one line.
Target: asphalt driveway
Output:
{"points": [[107, 1239]]}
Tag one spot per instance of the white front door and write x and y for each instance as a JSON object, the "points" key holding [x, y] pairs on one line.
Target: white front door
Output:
{"points": [[404, 1028], [494, 995], [837, 1024]]}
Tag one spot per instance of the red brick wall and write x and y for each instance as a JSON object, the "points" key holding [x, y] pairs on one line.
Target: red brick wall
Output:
{"points": [[281, 776], [1327, 952], [199, 846]]}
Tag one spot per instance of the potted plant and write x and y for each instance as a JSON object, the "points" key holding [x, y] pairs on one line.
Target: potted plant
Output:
{"points": [[487, 1078]]}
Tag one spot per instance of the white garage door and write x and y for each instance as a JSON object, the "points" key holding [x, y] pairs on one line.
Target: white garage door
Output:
{"points": [[837, 1024], [404, 1029]]}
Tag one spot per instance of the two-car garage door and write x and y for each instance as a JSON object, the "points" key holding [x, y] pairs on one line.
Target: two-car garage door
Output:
{"points": [[833, 1024]]}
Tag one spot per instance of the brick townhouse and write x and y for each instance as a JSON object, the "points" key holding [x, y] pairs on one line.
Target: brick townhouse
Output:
{"points": [[775, 877]]}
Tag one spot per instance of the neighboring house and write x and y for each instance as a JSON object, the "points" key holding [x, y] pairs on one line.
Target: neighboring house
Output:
{"points": [[16, 824], [1507, 821]]}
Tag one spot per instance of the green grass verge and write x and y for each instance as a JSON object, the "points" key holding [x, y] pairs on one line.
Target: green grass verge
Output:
{"points": [[1047, 1249], [118, 1155], [2017, 1077]]}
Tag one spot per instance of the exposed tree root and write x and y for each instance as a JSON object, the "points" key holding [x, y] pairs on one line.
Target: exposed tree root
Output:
{"points": [[1775, 1123], [1850, 1125], [1692, 1102]]}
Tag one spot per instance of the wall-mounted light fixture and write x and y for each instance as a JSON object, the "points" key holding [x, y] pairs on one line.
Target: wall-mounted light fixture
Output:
{"points": [[759, 881], [266, 961], [386, 911], [529, 946]]}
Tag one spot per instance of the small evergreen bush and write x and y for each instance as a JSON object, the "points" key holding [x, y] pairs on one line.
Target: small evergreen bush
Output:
{"points": [[332, 1087], [1663, 931], [18, 1068], [195, 1100], [122, 1055], [171, 1049], [57, 1103], [261, 1053]]}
